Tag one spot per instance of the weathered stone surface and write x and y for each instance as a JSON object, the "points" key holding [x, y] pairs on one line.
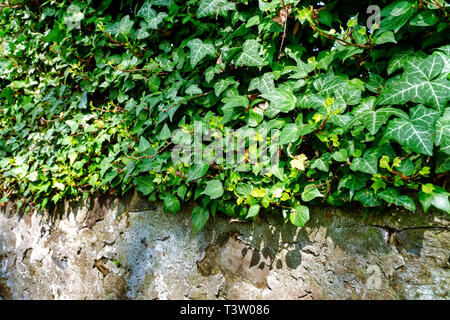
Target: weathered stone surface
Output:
{"points": [[130, 249]]}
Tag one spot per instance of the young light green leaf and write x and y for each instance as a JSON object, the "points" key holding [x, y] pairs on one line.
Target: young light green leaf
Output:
{"points": [[213, 189], [253, 211], [311, 192], [299, 216]]}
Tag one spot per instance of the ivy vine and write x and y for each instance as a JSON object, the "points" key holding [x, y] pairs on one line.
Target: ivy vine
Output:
{"points": [[93, 94]]}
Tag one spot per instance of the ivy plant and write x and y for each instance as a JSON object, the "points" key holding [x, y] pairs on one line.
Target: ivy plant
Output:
{"points": [[96, 96]]}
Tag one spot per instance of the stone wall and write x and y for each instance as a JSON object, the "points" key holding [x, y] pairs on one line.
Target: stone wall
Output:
{"points": [[129, 249]]}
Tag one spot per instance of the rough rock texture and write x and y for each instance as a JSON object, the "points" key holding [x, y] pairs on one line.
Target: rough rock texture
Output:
{"points": [[130, 249]]}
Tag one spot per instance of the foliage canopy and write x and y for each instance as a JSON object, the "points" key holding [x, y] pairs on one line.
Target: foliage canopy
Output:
{"points": [[92, 92]]}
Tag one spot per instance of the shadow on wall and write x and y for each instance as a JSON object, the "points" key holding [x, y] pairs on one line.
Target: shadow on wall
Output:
{"points": [[142, 253]]}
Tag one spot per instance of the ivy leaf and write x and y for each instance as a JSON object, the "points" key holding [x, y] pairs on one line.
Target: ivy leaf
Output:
{"points": [[197, 171], [417, 133], [213, 189], [199, 50], [264, 84], [438, 197], [353, 182], [385, 37], [398, 62], [221, 85], [282, 100], [253, 211], [144, 184], [214, 7], [171, 203], [199, 218], [144, 145], [299, 216], [125, 25], [323, 163], [255, 115], [406, 167], [417, 84], [310, 192], [367, 164], [396, 15], [392, 196], [165, 3], [376, 82], [289, 134], [230, 106], [368, 198], [150, 16], [374, 120], [424, 19], [250, 55], [442, 163], [443, 132], [193, 89]]}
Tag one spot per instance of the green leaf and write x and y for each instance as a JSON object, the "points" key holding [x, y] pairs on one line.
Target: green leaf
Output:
{"points": [[392, 196], [197, 171], [368, 198], [214, 7], [250, 55], [418, 84], [243, 189], [144, 145], [438, 198], [340, 156], [396, 15], [289, 134], [230, 106], [406, 167], [353, 182], [264, 84], [442, 163], [144, 184], [150, 16], [367, 163], [125, 25], [385, 37], [424, 19], [165, 133], [199, 218], [253, 211], [323, 163], [171, 203], [221, 85], [213, 189], [299, 216], [311, 192], [374, 120], [443, 132], [199, 50], [282, 100], [417, 133]]}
